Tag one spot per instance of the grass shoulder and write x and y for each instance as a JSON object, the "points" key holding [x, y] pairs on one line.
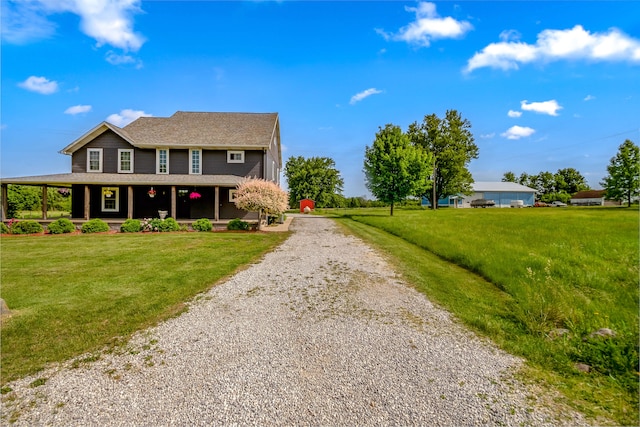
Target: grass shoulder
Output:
{"points": [[520, 277]]}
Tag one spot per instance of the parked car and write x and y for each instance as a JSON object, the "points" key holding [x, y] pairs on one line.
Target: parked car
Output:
{"points": [[482, 203], [558, 204], [540, 205]]}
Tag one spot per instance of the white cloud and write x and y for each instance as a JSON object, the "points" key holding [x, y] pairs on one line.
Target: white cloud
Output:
{"points": [[40, 85], [114, 58], [428, 26], [547, 107], [589, 98], [362, 95], [513, 113], [517, 132], [554, 45], [78, 109], [488, 135], [126, 116], [107, 21]]}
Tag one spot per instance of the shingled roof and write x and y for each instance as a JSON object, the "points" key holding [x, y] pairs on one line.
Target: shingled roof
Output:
{"points": [[193, 129], [589, 194], [206, 130]]}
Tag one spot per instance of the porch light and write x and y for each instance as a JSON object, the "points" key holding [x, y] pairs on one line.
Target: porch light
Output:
{"points": [[151, 193]]}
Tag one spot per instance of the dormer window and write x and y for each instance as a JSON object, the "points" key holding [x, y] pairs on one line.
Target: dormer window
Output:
{"points": [[235, 156], [94, 160]]}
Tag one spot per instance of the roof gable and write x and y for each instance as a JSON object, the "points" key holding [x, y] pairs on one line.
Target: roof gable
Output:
{"points": [[93, 134]]}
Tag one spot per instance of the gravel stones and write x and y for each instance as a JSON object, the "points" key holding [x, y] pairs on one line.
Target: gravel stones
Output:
{"points": [[320, 332]]}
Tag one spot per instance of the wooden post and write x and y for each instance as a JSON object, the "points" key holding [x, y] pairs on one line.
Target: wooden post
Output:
{"points": [[5, 203], [174, 202], [130, 202], [44, 201], [87, 202], [216, 208]]}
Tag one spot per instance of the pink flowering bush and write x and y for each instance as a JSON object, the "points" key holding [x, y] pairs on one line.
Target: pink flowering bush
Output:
{"points": [[259, 195]]}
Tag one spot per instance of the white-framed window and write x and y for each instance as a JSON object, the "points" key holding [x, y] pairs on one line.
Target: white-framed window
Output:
{"points": [[162, 161], [94, 159], [232, 195], [110, 199], [125, 160], [196, 162], [235, 156]]}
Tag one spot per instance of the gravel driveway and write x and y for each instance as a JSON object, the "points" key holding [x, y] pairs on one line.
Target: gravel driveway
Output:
{"points": [[320, 332]]}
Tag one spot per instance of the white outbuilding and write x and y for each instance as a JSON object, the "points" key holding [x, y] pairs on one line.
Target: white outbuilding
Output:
{"points": [[503, 194]]}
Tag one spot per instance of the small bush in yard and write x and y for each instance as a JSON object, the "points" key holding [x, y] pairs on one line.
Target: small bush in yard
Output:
{"points": [[26, 227], [169, 224], [60, 226], [237, 224], [3, 228], [95, 225], [131, 226], [202, 224]]}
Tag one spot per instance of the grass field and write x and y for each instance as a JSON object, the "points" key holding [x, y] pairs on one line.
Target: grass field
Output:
{"points": [[528, 274], [71, 294]]}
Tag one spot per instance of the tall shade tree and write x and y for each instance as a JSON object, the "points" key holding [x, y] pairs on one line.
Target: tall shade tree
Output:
{"points": [[394, 168], [259, 195], [570, 181], [509, 177], [623, 181], [451, 143], [315, 178]]}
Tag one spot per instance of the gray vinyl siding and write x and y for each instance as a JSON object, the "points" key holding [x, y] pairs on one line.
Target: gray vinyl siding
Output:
{"points": [[214, 162]]}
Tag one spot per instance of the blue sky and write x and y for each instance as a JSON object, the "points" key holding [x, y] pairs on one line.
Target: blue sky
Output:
{"points": [[546, 85]]}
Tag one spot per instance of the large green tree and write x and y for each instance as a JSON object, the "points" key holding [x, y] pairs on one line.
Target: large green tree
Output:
{"points": [[315, 178], [394, 168], [623, 181], [452, 146], [570, 181]]}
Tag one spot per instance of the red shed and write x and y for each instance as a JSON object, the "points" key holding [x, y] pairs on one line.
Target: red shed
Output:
{"points": [[307, 203]]}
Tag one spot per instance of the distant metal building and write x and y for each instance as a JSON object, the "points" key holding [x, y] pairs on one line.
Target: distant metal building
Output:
{"points": [[502, 193]]}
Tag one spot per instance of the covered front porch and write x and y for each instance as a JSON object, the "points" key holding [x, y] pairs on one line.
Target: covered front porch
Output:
{"points": [[112, 198]]}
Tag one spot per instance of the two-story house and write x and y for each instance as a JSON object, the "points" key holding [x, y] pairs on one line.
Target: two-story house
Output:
{"points": [[188, 165]]}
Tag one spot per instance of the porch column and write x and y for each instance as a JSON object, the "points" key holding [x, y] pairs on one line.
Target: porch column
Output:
{"points": [[87, 201], [216, 208], [130, 202], [5, 203], [44, 201], [174, 202]]}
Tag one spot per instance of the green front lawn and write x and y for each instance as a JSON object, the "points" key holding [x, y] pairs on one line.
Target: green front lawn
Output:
{"points": [[71, 294]]}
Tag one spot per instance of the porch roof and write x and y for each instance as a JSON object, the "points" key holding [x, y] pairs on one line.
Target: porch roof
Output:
{"points": [[67, 179]]}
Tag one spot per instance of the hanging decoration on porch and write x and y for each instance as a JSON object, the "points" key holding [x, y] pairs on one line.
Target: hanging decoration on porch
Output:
{"points": [[108, 193], [194, 195], [151, 193]]}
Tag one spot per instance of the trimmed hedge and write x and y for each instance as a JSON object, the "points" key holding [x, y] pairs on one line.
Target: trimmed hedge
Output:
{"points": [[60, 226], [3, 228], [27, 226], [169, 224], [237, 224], [95, 225], [202, 224], [131, 226]]}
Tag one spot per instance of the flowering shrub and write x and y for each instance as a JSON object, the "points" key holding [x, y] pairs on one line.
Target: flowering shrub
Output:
{"points": [[151, 224], [60, 226], [259, 195]]}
